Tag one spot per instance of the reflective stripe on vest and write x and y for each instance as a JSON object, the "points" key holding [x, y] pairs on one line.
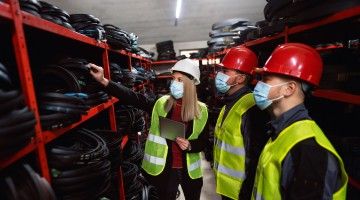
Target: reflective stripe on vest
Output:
{"points": [[157, 139], [230, 172], [229, 148], [194, 165], [156, 147], [268, 172], [154, 160], [229, 152]]}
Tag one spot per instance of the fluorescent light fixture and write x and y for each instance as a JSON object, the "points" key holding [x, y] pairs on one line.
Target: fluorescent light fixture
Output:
{"points": [[178, 9]]}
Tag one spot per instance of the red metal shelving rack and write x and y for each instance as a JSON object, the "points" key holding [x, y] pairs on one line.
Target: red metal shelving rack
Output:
{"points": [[10, 10], [5, 11], [339, 16], [39, 23]]}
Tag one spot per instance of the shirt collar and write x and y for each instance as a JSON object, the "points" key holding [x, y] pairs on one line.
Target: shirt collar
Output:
{"points": [[237, 95], [296, 113]]}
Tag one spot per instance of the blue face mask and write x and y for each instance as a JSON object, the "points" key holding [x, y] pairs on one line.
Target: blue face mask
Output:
{"points": [[220, 82], [177, 89], [261, 93]]}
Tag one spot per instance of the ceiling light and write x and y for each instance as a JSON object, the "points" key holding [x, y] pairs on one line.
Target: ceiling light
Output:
{"points": [[178, 9]]}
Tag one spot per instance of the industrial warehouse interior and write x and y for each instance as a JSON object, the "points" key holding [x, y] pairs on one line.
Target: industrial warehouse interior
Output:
{"points": [[179, 100]]}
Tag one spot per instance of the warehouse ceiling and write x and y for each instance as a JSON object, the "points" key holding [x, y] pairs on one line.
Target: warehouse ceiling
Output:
{"points": [[153, 20]]}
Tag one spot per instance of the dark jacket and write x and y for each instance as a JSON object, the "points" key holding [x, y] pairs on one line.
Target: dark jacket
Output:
{"points": [[308, 171], [138, 100], [253, 129]]}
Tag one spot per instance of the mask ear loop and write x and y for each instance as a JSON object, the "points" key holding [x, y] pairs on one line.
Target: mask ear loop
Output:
{"points": [[282, 96], [235, 76]]}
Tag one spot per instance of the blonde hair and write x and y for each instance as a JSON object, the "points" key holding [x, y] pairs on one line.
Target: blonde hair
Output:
{"points": [[190, 108]]}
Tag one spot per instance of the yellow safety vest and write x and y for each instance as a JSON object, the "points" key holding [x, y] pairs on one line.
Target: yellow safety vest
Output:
{"points": [[268, 172], [229, 151], [156, 148]]}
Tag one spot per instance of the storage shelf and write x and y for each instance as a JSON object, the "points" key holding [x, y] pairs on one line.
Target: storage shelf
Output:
{"points": [[39, 23], [164, 77], [342, 15], [5, 10], [338, 96], [164, 62], [18, 155], [329, 48], [217, 54], [53, 134], [121, 52], [133, 55], [126, 53]]}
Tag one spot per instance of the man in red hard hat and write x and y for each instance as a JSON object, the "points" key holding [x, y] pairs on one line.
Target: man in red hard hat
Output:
{"points": [[298, 162], [239, 136]]}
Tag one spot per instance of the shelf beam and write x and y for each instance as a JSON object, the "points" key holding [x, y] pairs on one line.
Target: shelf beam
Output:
{"points": [[53, 134], [7, 161], [164, 62], [338, 96]]}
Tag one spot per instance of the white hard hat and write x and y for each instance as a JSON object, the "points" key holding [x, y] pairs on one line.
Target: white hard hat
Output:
{"points": [[188, 66]]}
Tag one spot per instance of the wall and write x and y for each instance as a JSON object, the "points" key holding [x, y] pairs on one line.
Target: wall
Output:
{"points": [[178, 46]]}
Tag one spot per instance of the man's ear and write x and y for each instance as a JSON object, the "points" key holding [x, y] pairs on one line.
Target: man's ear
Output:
{"points": [[240, 78], [290, 88]]}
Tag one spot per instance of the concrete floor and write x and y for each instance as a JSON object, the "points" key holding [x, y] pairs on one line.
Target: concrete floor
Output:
{"points": [[208, 189]]}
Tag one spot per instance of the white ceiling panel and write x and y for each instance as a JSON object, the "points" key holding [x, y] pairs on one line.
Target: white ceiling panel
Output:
{"points": [[153, 20]]}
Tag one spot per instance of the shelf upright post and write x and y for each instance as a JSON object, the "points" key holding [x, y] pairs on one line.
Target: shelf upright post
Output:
{"points": [[286, 34], [129, 61], [106, 65], [23, 65]]}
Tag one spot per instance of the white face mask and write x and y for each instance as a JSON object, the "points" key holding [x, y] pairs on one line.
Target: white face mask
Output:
{"points": [[261, 93]]}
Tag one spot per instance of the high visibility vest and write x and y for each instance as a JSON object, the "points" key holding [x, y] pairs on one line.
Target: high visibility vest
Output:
{"points": [[229, 151], [268, 172], [156, 148]]}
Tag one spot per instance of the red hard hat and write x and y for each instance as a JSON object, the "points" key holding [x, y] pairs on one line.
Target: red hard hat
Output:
{"points": [[296, 60], [240, 58]]}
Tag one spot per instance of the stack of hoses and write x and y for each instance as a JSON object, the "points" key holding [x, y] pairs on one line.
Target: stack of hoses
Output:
{"points": [[88, 25], [58, 110], [67, 91], [165, 50], [129, 78], [16, 120], [116, 72], [135, 185], [228, 33], [31, 6], [133, 152], [129, 119], [22, 182], [55, 14], [113, 140], [117, 38], [79, 166]]}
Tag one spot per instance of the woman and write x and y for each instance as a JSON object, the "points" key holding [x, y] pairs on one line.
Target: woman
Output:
{"points": [[166, 163]]}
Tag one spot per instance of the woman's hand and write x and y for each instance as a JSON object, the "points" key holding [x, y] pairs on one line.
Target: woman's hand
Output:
{"points": [[98, 74], [183, 143]]}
